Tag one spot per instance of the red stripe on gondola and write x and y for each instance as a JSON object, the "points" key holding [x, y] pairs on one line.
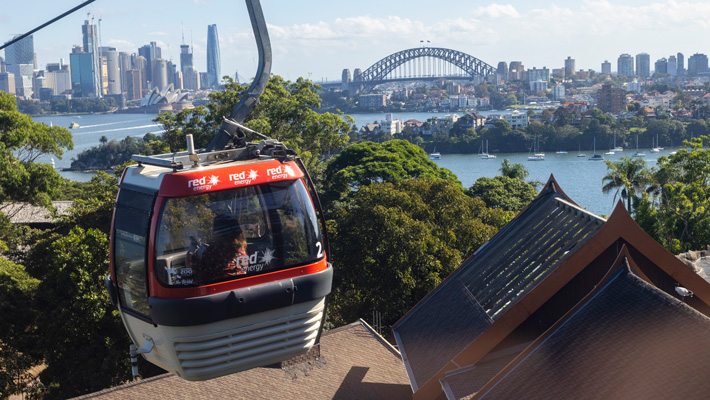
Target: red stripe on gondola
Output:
{"points": [[183, 293], [195, 182]]}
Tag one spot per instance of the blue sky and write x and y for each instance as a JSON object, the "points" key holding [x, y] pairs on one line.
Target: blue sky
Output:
{"points": [[318, 38]]}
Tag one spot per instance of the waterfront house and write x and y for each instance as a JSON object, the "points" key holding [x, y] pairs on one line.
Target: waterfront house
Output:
{"points": [[561, 303]]}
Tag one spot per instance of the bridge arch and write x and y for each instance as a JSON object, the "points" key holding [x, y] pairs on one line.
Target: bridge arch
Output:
{"points": [[471, 66]]}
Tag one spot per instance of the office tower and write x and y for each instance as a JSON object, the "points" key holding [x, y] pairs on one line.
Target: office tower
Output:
{"points": [[124, 65], [204, 80], [91, 46], [113, 70], [150, 52], [19, 61], [7, 82], [569, 66], [178, 81], [558, 92], [680, 64], [606, 67], [697, 64], [643, 65], [515, 71], [160, 74], [661, 66], [134, 84], [172, 69], [191, 79], [185, 58], [140, 63], [611, 100], [625, 65], [214, 62], [345, 80], [672, 66], [2, 66], [83, 74]]}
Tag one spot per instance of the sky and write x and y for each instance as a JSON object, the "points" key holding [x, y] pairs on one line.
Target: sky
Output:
{"points": [[316, 39]]}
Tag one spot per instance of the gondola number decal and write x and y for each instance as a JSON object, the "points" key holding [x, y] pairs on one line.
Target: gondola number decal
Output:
{"points": [[320, 249]]}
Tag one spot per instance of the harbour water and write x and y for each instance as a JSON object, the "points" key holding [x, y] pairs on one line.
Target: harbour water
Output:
{"points": [[580, 178]]}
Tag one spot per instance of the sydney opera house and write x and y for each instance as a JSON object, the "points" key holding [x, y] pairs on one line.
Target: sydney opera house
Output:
{"points": [[169, 99]]}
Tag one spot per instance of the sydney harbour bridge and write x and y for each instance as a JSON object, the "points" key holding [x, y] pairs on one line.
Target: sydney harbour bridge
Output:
{"points": [[421, 63]]}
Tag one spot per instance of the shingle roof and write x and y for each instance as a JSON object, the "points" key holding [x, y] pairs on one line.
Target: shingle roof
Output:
{"points": [[23, 213], [629, 340], [355, 363], [485, 286]]}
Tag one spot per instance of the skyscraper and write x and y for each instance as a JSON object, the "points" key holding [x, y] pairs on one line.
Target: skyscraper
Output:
{"points": [[150, 52], [661, 66], [91, 46], [159, 68], [569, 66], [214, 62], [185, 58], [643, 65], [672, 66], [19, 60], [680, 64], [697, 64], [83, 74], [113, 69], [502, 71], [625, 65], [606, 67]]}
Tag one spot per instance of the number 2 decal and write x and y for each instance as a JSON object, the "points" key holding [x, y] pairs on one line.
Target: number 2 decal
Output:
{"points": [[320, 249]]}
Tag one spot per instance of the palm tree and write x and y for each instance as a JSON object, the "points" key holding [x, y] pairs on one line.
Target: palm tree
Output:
{"points": [[628, 177]]}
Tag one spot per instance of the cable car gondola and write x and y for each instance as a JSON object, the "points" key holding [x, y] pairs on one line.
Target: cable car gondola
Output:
{"points": [[218, 257]]}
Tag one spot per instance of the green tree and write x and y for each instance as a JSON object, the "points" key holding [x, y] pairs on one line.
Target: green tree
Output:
{"points": [[286, 111], [393, 243], [22, 141], [368, 162], [515, 171], [17, 290], [510, 194], [627, 178]]}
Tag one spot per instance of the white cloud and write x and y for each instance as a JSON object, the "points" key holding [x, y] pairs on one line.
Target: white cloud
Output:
{"points": [[495, 11]]}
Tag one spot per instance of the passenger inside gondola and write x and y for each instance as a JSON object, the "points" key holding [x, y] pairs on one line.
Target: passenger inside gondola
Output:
{"points": [[225, 255]]}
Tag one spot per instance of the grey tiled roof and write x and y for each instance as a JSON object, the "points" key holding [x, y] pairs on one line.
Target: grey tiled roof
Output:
{"points": [[629, 341], [502, 272], [23, 213], [355, 364]]}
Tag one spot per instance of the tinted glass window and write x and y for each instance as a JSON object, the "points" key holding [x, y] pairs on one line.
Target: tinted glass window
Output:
{"points": [[236, 233], [129, 240]]}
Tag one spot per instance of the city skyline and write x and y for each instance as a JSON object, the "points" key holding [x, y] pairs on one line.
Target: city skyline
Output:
{"points": [[318, 40]]}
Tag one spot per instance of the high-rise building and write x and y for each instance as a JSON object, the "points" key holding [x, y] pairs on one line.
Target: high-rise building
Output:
{"points": [[171, 69], [643, 65], [91, 46], [625, 65], [569, 66], [113, 69], [178, 82], [558, 92], [7, 82], [160, 74], [150, 52], [661, 66], [680, 64], [532, 75], [214, 62], [140, 63], [134, 84], [19, 61], [606, 67], [124, 65], [611, 100], [191, 79], [204, 80], [185, 58], [697, 64], [83, 75], [672, 66]]}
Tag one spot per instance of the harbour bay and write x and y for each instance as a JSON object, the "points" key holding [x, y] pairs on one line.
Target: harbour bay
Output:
{"points": [[580, 178]]}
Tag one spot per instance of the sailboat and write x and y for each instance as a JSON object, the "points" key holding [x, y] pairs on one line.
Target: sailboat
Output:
{"points": [[638, 153], [579, 151], [486, 155], [657, 148], [537, 155], [616, 148], [595, 156]]}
